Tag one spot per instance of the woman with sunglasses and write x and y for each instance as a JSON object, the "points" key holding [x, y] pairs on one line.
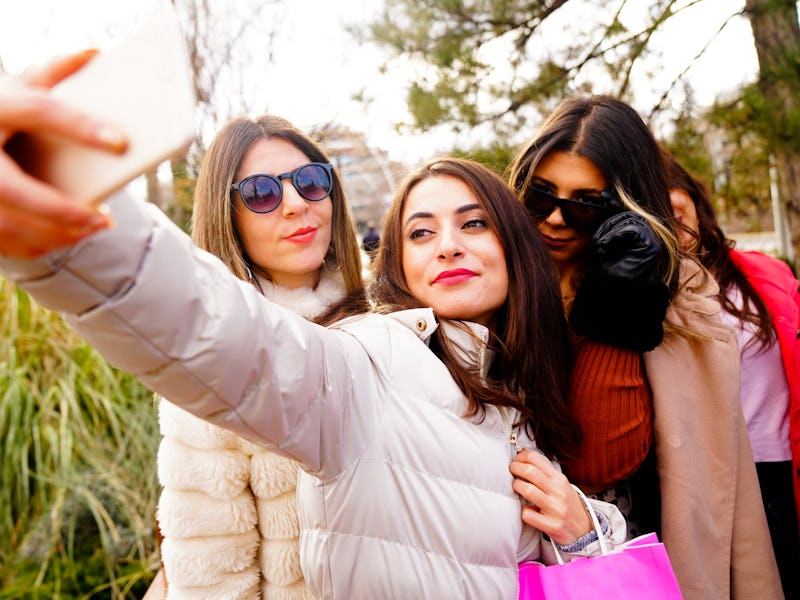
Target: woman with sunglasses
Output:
{"points": [[653, 382], [760, 298], [270, 206], [408, 413]]}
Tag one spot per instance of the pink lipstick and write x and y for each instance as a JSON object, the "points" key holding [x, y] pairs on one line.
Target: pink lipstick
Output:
{"points": [[454, 276], [303, 235]]}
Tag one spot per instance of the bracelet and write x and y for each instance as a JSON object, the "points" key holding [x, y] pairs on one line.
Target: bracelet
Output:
{"points": [[587, 538]]}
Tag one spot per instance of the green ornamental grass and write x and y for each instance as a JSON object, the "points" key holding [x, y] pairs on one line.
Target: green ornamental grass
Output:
{"points": [[78, 483]]}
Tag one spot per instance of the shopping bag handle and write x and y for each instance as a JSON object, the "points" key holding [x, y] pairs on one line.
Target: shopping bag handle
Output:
{"points": [[595, 523]]}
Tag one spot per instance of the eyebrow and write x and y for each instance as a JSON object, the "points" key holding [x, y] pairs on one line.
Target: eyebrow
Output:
{"points": [[428, 215]]}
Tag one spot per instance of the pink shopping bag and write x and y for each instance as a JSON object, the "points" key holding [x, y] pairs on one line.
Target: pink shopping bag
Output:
{"points": [[641, 570]]}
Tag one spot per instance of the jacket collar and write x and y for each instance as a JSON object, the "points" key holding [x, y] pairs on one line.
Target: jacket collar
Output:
{"points": [[694, 307], [765, 270], [306, 301], [470, 340]]}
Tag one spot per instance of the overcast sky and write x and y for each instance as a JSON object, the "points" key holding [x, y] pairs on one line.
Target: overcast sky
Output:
{"points": [[313, 39]]}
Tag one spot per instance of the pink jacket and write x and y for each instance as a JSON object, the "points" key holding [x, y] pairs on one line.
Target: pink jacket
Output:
{"points": [[777, 286]]}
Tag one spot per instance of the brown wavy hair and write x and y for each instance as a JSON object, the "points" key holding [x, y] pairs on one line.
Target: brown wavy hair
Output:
{"points": [[713, 251], [531, 363]]}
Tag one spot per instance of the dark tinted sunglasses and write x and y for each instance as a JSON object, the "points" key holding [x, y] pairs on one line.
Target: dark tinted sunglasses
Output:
{"points": [[263, 193], [584, 214]]}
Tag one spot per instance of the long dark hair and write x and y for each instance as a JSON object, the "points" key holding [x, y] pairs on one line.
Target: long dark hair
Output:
{"points": [[612, 135], [713, 252], [531, 365]]}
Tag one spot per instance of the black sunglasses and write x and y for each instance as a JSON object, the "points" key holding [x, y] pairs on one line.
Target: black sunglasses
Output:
{"points": [[584, 214], [263, 193]]}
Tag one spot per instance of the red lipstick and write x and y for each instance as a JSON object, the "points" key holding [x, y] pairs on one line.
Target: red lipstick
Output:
{"points": [[454, 276]]}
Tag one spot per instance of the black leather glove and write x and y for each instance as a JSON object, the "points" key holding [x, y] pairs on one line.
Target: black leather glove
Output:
{"points": [[622, 298], [626, 246]]}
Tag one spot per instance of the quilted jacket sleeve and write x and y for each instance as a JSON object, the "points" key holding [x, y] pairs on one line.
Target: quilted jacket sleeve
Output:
{"points": [[173, 315]]}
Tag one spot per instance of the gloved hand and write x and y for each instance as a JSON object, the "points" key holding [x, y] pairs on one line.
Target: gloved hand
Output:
{"points": [[622, 298], [626, 246]]}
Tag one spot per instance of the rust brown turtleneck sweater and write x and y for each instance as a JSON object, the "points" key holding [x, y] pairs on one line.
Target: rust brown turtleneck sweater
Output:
{"points": [[610, 399]]}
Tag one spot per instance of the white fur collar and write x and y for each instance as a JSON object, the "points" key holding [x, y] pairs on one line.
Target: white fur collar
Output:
{"points": [[305, 301]]}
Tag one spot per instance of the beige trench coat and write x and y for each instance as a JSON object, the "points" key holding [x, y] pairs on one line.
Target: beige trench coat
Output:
{"points": [[713, 522]]}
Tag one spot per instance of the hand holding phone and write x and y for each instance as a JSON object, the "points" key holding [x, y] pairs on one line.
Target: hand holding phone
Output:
{"points": [[35, 217], [144, 86]]}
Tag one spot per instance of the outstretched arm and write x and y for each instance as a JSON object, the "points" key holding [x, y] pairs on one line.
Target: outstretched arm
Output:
{"points": [[175, 317], [155, 305], [36, 218]]}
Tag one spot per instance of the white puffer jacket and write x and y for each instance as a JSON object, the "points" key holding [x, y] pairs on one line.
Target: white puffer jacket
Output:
{"points": [[228, 512], [402, 496]]}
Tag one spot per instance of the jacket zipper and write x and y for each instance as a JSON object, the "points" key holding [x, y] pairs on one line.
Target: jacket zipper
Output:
{"points": [[509, 430]]}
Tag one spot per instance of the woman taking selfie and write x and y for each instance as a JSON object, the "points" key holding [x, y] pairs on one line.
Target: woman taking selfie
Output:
{"points": [[654, 382], [405, 420]]}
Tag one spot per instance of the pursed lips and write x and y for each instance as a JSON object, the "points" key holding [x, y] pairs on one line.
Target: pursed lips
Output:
{"points": [[554, 241], [302, 235], [454, 276]]}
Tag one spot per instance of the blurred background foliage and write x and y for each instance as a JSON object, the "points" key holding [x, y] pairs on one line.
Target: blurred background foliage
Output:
{"points": [[489, 64], [78, 480]]}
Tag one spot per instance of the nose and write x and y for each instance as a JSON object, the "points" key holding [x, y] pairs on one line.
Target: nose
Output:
{"points": [[449, 244], [555, 218], [292, 203]]}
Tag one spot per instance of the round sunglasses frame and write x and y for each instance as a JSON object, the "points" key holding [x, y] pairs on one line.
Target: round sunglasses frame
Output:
{"points": [[278, 180]]}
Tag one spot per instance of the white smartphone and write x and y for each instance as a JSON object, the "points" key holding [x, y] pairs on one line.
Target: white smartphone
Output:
{"points": [[144, 86]]}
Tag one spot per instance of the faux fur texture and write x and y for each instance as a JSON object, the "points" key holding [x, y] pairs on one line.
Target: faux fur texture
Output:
{"points": [[280, 562], [236, 586], [220, 473], [228, 511], [209, 560], [179, 425], [304, 301], [276, 519], [272, 474], [296, 591], [185, 514]]}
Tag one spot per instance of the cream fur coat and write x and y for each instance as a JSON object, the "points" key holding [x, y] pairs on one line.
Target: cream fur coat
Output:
{"points": [[227, 512]]}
